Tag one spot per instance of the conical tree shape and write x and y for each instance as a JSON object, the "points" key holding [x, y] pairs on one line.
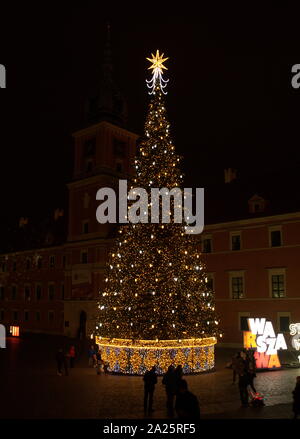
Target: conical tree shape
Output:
{"points": [[156, 285]]}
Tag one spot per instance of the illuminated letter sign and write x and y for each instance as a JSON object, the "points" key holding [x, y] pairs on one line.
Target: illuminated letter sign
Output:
{"points": [[263, 338], [295, 332], [2, 337]]}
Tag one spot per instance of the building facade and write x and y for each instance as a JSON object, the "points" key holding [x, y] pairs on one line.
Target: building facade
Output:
{"points": [[253, 266]]}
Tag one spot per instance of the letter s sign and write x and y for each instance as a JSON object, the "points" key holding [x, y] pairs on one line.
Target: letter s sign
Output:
{"points": [[296, 78]]}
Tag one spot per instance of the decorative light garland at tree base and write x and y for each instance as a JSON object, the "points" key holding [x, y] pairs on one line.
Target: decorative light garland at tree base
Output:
{"points": [[134, 357]]}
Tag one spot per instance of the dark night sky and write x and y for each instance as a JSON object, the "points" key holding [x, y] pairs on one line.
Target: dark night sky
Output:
{"points": [[230, 99]]}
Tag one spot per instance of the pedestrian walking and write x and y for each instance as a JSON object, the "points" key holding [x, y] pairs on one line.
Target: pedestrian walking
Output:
{"points": [[99, 362], [150, 379], [234, 365], [251, 370], [296, 398], [241, 368], [72, 355], [61, 361], [65, 361], [92, 356], [187, 405], [169, 381]]}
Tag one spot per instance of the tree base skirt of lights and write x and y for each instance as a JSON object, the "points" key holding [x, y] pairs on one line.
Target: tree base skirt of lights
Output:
{"points": [[134, 357]]}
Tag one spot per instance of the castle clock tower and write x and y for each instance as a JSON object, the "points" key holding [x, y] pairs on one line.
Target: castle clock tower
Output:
{"points": [[103, 153]]}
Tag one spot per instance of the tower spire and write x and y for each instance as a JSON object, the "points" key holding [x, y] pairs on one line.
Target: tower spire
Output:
{"points": [[108, 103]]}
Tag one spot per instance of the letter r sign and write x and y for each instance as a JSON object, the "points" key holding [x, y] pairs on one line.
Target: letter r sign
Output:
{"points": [[2, 337]]}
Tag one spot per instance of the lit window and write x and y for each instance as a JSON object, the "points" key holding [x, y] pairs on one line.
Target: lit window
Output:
{"points": [[278, 289], [237, 286]]}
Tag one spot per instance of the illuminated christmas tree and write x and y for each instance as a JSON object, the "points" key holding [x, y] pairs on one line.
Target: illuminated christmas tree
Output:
{"points": [[156, 307]]}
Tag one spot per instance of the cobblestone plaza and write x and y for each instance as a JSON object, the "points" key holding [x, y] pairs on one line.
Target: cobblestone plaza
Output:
{"points": [[31, 388]]}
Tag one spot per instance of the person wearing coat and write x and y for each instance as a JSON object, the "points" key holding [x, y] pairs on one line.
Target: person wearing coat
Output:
{"points": [[169, 381], [150, 379], [72, 356], [187, 405]]}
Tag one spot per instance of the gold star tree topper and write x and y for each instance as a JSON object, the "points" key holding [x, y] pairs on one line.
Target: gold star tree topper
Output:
{"points": [[157, 62]]}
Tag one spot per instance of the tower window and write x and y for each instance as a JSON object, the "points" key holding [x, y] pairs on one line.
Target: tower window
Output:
{"points": [[89, 147], [85, 227], [119, 167], [89, 165], [119, 148]]}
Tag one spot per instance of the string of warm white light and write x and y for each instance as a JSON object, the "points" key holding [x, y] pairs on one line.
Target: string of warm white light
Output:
{"points": [[156, 306]]}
